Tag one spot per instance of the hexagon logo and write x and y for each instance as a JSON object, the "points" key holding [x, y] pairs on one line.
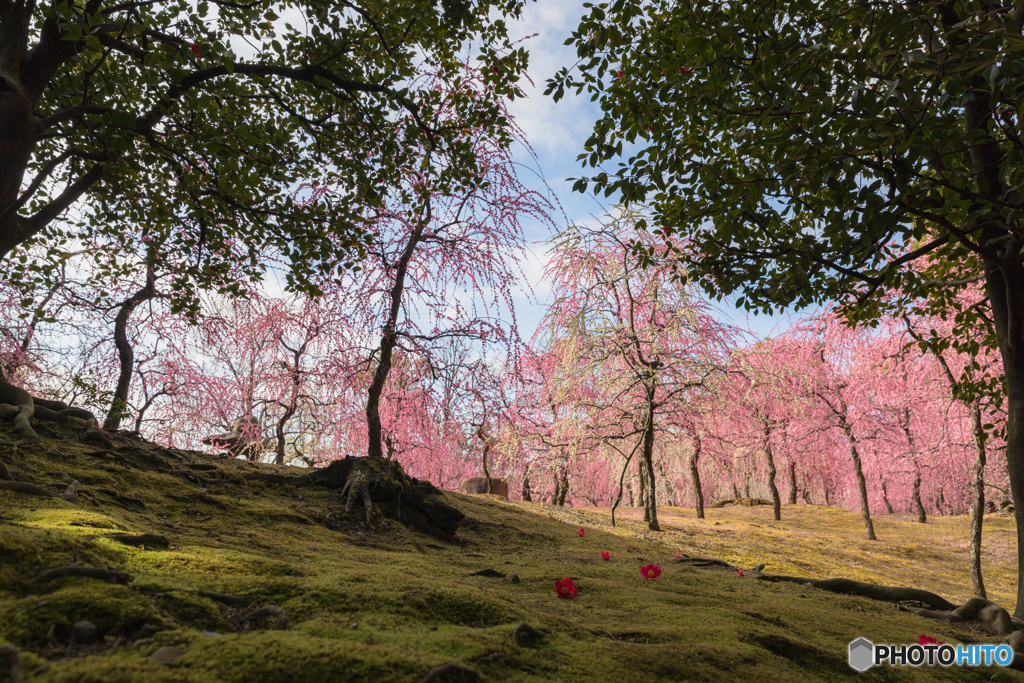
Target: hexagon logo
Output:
{"points": [[862, 654]]}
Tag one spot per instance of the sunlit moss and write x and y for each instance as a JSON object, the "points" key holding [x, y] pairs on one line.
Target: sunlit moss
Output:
{"points": [[388, 605]]}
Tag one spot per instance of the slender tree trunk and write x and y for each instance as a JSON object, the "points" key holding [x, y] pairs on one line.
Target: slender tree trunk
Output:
{"points": [[806, 496], [978, 507], [916, 495], [824, 488], [858, 470], [735, 491], [126, 355], [792, 483], [388, 341], [885, 498], [561, 486], [698, 494], [776, 499], [287, 415], [647, 462]]}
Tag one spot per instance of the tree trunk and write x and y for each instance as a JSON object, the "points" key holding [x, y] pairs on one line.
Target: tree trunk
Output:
{"points": [[647, 462], [698, 494], [978, 507], [735, 491], [526, 486], [918, 506], [561, 486], [858, 470], [824, 488], [126, 355], [885, 498], [776, 499], [388, 341], [792, 483]]}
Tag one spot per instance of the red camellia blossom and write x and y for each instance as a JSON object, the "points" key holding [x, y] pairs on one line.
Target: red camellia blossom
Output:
{"points": [[650, 571], [581, 532], [679, 556], [195, 49], [606, 556], [619, 74], [684, 70], [494, 69], [565, 589], [928, 640]]}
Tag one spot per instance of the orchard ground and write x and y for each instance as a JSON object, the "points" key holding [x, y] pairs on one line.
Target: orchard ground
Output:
{"points": [[387, 604]]}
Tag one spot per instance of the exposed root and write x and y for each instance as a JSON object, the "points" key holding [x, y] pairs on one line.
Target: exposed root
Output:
{"points": [[280, 615], [108, 575], [976, 609], [71, 492], [141, 539], [451, 673], [523, 634], [490, 571], [27, 489], [5, 474], [232, 600], [866, 590], [370, 481]]}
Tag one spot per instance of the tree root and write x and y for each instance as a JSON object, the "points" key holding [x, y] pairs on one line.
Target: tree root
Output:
{"points": [[108, 575], [71, 491], [270, 611], [866, 590], [369, 481], [524, 633], [141, 539], [976, 609], [451, 672], [28, 489], [232, 600]]}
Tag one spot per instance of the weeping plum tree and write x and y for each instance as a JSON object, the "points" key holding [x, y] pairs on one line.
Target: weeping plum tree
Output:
{"points": [[632, 343], [800, 158], [446, 240], [119, 114]]}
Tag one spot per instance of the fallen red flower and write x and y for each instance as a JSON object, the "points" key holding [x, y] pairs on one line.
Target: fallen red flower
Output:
{"points": [[581, 532], [739, 571], [650, 571], [928, 640], [606, 556], [565, 589]]}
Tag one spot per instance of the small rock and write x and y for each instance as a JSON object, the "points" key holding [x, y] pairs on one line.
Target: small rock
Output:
{"points": [[85, 632], [10, 664], [514, 578], [211, 634], [800, 595], [354, 625], [167, 655]]}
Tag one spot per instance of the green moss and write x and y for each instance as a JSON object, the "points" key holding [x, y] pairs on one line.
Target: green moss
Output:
{"points": [[388, 605]]}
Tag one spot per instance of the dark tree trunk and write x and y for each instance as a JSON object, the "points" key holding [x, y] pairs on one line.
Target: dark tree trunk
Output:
{"points": [[650, 498], [388, 341], [824, 488], [735, 491], [885, 498], [561, 486], [792, 483], [858, 470], [126, 355], [916, 495], [978, 507], [776, 500], [698, 493]]}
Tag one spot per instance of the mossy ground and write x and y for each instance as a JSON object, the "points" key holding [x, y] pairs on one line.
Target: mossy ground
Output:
{"points": [[386, 604]]}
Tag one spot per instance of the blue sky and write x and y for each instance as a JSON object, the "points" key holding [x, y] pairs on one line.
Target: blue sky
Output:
{"points": [[557, 132]]}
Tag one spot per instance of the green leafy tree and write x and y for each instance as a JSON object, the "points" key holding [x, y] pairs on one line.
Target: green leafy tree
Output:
{"points": [[143, 112], [856, 151]]}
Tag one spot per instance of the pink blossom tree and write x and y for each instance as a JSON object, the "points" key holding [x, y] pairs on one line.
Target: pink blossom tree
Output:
{"points": [[632, 344]]}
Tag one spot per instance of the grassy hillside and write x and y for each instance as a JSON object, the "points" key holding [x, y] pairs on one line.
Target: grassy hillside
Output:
{"points": [[387, 604]]}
